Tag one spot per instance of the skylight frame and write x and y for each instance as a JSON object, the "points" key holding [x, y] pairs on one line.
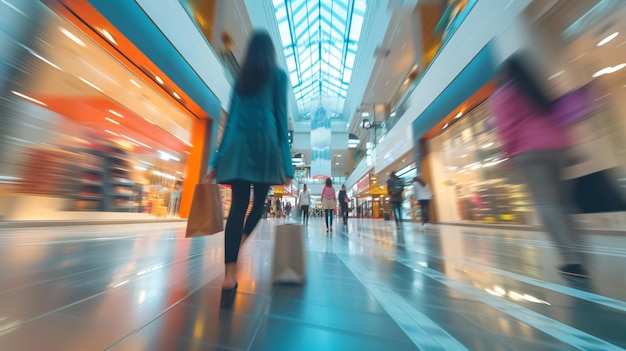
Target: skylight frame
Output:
{"points": [[319, 38]]}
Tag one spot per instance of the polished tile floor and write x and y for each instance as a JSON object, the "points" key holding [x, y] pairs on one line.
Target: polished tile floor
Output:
{"points": [[369, 286]]}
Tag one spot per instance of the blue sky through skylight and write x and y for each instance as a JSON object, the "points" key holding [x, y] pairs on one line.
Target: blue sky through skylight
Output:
{"points": [[319, 39]]}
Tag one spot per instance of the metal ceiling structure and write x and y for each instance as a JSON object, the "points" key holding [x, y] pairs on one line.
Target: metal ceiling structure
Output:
{"points": [[319, 40]]}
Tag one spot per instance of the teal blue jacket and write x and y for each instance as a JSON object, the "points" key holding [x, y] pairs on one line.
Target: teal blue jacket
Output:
{"points": [[255, 146]]}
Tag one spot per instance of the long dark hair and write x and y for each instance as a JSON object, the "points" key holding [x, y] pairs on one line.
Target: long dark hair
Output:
{"points": [[329, 182], [514, 69], [258, 66]]}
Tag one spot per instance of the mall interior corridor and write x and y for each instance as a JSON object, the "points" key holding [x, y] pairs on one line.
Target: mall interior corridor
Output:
{"points": [[369, 286]]}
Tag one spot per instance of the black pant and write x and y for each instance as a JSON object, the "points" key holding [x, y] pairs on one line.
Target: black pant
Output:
{"points": [[344, 213], [235, 224], [329, 217], [397, 211], [304, 212], [424, 204]]}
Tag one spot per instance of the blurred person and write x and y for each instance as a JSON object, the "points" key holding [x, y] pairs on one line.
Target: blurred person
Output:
{"points": [[536, 147], [288, 209], [329, 201], [266, 208], [304, 200], [343, 203], [278, 211], [395, 187], [255, 134], [422, 195]]}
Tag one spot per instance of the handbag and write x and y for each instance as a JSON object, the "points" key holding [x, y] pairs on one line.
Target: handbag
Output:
{"points": [[206, 216], [572, 107], [596, 193], [289, 254]]}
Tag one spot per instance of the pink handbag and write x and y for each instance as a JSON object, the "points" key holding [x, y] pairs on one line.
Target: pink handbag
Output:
{"points": [[572, 107]]}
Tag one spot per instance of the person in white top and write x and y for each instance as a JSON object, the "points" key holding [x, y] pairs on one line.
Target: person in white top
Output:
{"points": [[422, 194], [304, 201]]}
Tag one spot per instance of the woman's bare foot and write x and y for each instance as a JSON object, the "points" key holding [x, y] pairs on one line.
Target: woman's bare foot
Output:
{"points": [[230, 276]]}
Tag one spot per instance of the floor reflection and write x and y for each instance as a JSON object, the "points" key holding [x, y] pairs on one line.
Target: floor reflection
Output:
{"points": [[369, 285]]}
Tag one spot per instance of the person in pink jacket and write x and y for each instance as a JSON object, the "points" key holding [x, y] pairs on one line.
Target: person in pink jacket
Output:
{"points": [[536, 145], [329, 201]]}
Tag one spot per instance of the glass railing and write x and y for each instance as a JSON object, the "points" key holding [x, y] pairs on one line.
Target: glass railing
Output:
{"points": [[446, 28], [336, 180], [204, 18]]}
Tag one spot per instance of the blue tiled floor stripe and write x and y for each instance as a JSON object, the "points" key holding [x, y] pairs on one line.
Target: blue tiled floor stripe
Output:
{"points": [[565, 290], [558, 330], [425, 333]]}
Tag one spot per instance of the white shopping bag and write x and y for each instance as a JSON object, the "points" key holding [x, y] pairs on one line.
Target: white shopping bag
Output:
{"points": [[289, 254]]}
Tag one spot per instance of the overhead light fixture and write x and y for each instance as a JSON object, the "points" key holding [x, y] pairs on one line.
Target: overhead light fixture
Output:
{"points": [[108, 35], [158, 79], [112, 133], [176, 95], [112, 120], [72, 36], [116, 113], [135, 83], [26, 97], [149, 121], [166, 157], [135, 141], [90, 84], [556, 75], [609, 70], [608, 38], [458, 115], [445, 126], [365, 114], [183, 140], [336, 163], [393, 114], [34, 53]]}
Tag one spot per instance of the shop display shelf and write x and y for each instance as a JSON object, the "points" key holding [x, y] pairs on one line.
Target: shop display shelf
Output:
{"points": [[90, 182], [122, 194], [128, 183], [95, 197]]}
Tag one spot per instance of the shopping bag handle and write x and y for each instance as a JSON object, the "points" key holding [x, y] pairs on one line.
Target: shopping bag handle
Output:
{"points": [[209, 178]]}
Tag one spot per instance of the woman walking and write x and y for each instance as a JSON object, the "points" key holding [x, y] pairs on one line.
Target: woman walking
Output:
{"points": [[343, 204], [329, 201], [422, 195], [254, 152], [536, 145], [305, 201]]}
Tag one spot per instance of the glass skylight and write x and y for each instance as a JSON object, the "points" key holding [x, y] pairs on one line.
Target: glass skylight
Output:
{"points": [[319, 39]]}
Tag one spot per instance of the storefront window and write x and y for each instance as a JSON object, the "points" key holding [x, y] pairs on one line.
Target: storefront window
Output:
{"points": [[477, 174], [81, 132]]}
